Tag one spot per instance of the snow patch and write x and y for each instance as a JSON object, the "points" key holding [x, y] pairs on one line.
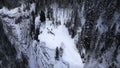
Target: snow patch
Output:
{"points": [[100, 26], [32, 7], [37, 22]]}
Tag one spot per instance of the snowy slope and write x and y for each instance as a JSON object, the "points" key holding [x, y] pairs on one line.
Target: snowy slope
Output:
{"points": [[58, 36]]}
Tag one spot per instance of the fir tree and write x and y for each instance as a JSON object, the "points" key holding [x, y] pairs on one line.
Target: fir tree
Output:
{"points": [[57, 54]]}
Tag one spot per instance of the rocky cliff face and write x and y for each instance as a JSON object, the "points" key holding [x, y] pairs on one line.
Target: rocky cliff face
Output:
{"points": [[8, 53], [47, 33], [100, 34]]}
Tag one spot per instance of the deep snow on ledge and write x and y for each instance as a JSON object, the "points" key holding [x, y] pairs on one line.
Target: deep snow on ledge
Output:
{"points": [[59, 37]]}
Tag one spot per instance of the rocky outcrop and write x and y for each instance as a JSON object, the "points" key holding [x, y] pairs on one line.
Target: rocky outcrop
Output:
{"points": [[8, 53]]}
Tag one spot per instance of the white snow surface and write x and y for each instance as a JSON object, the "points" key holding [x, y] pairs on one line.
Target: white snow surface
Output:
{"points": [[11, 12], [37, 22], [59, 37]]}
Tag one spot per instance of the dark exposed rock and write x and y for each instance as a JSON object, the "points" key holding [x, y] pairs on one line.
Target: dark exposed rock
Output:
{"points": [[8, 53]]}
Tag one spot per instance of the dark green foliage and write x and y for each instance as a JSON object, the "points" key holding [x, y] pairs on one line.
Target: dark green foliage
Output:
{"points": [[118, 38], [32, 25], [57, 54], [50, 13], [36, 34], [42, 16]]}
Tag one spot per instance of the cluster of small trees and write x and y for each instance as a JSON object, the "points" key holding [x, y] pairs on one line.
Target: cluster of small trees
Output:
{"points": [[59, 53]]}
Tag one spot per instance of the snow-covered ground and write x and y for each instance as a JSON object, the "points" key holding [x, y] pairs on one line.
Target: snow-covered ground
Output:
{"points": [[58, 36]]}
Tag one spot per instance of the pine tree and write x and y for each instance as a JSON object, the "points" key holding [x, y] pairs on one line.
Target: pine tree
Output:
{"points": [[42, 16], [57, 54]]}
